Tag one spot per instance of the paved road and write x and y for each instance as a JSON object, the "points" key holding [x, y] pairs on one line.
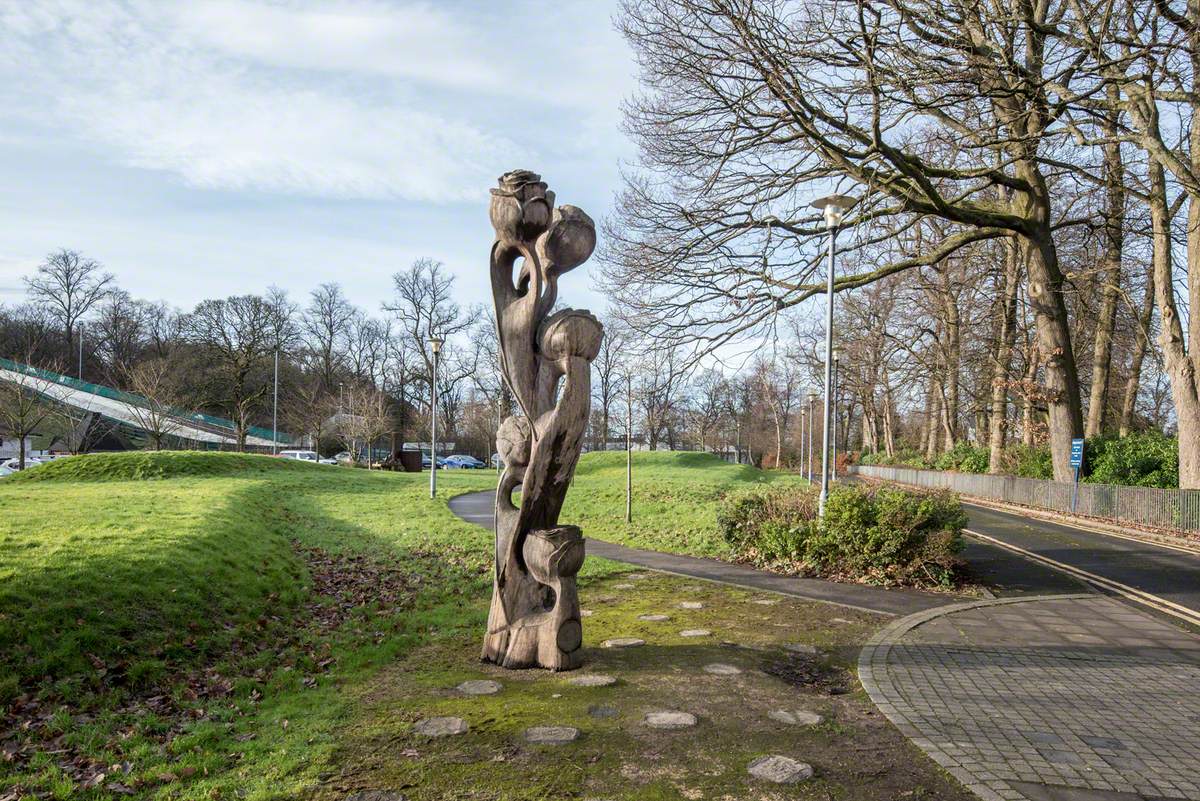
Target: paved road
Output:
{"points": [[476, 507], [1060, 698], [1166, 573]]}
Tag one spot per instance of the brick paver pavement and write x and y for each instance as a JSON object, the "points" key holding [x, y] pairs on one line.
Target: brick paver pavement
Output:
{"points": [[1044, 698]]}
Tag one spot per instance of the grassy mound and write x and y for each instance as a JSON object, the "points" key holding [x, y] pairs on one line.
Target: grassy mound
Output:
{"points": [[169, 624], [141, 465], [676, 497]]}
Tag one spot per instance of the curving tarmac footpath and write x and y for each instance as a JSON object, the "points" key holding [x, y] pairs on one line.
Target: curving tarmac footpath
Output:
{"points": [[1049, 694]]}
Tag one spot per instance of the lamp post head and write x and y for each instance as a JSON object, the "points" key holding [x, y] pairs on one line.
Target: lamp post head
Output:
{"points": [[834, 208], [837, 355], [812, 396], [435, 344]]}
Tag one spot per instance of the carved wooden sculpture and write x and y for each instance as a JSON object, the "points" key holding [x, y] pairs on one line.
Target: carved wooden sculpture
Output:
{"points": [[546, 361]]}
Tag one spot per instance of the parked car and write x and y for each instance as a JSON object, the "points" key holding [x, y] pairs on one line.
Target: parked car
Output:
{"points": [[343, 456], [327, 460], [425, 463], [462, 461], [5, 470], [304, 456], [30, 461]]}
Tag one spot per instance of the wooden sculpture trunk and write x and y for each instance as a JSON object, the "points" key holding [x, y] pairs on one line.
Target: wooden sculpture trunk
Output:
{"points": [[546, 362]]}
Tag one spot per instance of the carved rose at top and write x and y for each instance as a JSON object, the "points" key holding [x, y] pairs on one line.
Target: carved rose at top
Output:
{"points": [[521, 206]]}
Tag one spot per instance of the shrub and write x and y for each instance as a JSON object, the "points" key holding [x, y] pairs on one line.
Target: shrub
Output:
{"points": [[904, 457], [1028, 461], [1137, 460], [965, 458], [882, 535]]}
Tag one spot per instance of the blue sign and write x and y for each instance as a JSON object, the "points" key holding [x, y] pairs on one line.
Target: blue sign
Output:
{"points": [[1076, 453]]}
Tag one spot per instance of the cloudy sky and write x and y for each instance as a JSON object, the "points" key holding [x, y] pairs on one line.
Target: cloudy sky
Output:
{"points": [[215, 147]]}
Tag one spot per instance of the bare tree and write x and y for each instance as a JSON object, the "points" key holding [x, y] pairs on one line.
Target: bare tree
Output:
{"points": [[157, 406], [24, 405], [608, 384], [239, 335], [367, 418], [326, 325], [68, 285]]}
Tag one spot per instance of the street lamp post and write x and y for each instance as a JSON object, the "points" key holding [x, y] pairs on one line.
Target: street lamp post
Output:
{"points": [[275, 410], [834, 419], [435, 345], [834, 209]]}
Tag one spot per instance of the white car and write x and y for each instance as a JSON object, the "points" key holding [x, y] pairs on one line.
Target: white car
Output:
{"points": [[15, 463], [304, 456], [5, 470]]}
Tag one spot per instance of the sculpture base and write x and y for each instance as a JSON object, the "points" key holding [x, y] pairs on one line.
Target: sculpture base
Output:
{"points": [[546, 631]]}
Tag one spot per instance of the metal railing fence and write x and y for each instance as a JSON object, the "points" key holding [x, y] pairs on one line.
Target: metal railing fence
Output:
{"points": [[1148, 506]]}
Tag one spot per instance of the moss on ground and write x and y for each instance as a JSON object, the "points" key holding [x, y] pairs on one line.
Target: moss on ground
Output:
{"points": [[857, 754]]}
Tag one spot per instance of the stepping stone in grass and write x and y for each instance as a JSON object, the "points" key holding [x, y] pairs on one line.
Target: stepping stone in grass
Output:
{"points": [[840, 620], [691, 605], [799, 717], [585, 612], [603, 711], [695, 633], [593, 680], [722, 669], [779, 769], [441, 727], [625, 586], [623, 642], [636, 576], [551, 735], [766, 601], [479, 687], [654, 618], [801, 648], [670, 720]]}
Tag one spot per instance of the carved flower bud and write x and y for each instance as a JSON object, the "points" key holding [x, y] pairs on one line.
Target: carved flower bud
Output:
{"points": [[513, 441], [569, 241], [520, 206], [570, 332]]}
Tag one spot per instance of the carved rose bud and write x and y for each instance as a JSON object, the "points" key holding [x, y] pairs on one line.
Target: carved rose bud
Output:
{"points": [[513, 441], [520, 207], [569, 241], [570, 332]]}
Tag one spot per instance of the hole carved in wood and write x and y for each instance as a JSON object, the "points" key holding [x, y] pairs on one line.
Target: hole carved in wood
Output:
{"points": [[545, 357]]}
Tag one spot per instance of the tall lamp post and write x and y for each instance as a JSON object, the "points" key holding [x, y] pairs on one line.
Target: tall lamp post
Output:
{"points": [[834, 418], [275, 409], [435, 345], [833, 207]]}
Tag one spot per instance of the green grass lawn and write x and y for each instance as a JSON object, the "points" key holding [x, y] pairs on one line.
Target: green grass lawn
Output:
{"points": [[221, 626], [171, 625], [675, 499]]}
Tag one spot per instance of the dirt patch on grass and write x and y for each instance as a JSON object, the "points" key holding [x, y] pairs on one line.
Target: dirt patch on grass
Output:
{"points": [[855, 752], [86, 740]]}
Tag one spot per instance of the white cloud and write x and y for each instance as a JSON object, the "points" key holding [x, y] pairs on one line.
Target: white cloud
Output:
{"points": [[343, 101]]}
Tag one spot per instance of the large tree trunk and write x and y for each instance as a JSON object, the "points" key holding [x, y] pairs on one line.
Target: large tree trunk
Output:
{"points": [[1002, 355], [953, 350], [1140, 346], [1182, 367], [934, 416], [1065, 417], [1114, 238]]}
